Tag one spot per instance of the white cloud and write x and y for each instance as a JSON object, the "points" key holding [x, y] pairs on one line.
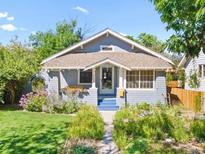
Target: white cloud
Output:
{"points": [[8, 27], [6, 15], [3, 14], [10, 18], [81, 9]]}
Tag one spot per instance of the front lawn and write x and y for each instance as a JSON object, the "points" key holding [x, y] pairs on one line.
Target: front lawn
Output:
{"points": [[28, 132]]}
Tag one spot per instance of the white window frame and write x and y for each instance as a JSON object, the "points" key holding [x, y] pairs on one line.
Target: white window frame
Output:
{"points": [[79, 83], [154, 81], [106, 46]]}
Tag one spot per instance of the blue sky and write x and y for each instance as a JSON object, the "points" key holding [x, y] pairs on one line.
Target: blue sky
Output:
{"points": [[23, 17]]}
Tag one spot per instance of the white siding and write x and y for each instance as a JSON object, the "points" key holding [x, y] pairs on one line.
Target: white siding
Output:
{"points": [[190, 66]]}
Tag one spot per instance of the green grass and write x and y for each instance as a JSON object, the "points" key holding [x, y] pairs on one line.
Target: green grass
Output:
{"points": [[30, 133]]}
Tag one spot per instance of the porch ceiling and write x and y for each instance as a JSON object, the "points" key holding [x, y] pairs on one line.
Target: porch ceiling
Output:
{"points": [[125, 60]]}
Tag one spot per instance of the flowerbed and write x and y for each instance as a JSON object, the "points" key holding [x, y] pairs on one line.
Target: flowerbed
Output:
{"points": [[150, 129], [41, 102]]}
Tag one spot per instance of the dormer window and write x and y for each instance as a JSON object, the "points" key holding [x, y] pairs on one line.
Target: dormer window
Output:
{"points": [[107, 48]]}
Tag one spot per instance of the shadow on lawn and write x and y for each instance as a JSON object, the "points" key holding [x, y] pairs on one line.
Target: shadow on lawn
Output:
{"points": [[43, 140], [10, 107]]}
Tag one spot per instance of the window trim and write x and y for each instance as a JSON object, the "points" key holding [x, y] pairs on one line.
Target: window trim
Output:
{"points": [[202, 71], [108, 46], [79, 83], [143, 89]]}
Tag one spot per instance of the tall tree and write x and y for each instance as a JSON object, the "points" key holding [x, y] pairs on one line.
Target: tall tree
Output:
{"points": [[18, 64], [150, 41], [187, 19], [51, 42]]}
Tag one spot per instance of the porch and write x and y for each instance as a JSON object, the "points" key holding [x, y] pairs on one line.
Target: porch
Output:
{"points": [[108, 79], [102, 84], [106, 75]]}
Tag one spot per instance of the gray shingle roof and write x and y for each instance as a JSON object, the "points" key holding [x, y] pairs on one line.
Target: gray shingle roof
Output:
{"points": [[131, 60]]}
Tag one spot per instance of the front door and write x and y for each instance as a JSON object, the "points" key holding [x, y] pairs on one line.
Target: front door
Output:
{"points": [[107, 77]]}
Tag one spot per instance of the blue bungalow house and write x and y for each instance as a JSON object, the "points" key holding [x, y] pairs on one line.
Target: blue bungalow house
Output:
{"points": [[112, 68]]}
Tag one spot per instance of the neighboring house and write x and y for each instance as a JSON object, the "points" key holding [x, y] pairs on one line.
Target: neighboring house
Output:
{"points": [[194, 64], [112, 68]]}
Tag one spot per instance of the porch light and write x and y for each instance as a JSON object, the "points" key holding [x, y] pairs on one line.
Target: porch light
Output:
{"points": [[105, 75]]}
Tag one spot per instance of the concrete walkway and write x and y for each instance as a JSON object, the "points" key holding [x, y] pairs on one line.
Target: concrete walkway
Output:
{"points": [[107, 146]]}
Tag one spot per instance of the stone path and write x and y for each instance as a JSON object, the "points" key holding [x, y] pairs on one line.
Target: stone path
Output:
{"points": [[107, 145]]}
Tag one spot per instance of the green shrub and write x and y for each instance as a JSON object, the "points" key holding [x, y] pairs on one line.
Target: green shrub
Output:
{"points": [[137, 146], [194, 81], [197, 103], [88, 124], [66, 107], [82, 149], [148, 122], [38, 84], [70, 107], [169, 77], [198, 129], [182, 77]]}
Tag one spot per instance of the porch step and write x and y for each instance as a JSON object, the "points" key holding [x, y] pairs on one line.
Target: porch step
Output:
{"points": [[108, 108], [107, 104], [103, 104]]}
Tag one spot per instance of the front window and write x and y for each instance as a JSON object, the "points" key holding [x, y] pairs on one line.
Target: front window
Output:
{"points": [[146, 79], [85, 77], [140, 79], [133, 79]]}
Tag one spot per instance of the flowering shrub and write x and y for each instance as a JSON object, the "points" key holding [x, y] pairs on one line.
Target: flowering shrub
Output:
{"points": [[39, 101], [33, 101]]}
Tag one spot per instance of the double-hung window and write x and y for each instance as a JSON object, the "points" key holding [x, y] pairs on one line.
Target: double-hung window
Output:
{"points": [[140, 79], [133, 79], [85, 77]]}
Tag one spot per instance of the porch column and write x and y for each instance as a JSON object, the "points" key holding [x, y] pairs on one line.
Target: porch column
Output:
{"points": [[125, 79], [62, 80], [93, 78], [120, 77]]}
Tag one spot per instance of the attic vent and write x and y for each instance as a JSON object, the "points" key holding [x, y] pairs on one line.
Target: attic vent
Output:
{"points": [[106, 48]]}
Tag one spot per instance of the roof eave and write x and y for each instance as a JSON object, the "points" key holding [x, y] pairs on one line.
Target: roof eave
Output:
{"points": [[107, 60], [100, 34]]}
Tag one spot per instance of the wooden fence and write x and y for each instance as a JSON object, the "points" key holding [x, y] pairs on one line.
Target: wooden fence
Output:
{"points": [[188, 98], [172, 84]]}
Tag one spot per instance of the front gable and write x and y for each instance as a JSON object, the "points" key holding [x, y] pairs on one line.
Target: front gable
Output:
{"points": [[110, 38], [106, 40]]}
